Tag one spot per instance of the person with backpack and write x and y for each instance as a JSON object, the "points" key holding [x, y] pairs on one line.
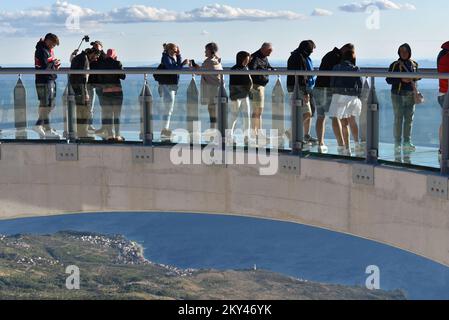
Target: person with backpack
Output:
{"points": [[300, 60], [112, 97], [346, 105], [168, 84], [239, 90], [323, 94], [443, 67], [44, 59], [403, 99], [210, 84]]}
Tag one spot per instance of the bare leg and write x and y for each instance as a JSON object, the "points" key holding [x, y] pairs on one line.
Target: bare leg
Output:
{"points": [[345, 131], [336, 126], [307, 117], [354, 128], [320, 129]]}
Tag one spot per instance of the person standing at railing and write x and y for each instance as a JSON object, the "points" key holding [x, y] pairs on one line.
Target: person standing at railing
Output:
{"points": [[443, 67], [92, 86], [239, 89], [323, 94], [300, 61], [44, 59], [403, 99], [112, 97], [210, 84], [79, 84], [259, 62], [168, 84], [346, 104]]}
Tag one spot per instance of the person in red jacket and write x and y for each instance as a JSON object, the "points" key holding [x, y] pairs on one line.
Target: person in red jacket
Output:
{"points": [[443, 67]]}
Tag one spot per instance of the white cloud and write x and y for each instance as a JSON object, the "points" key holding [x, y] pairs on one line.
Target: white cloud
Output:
{"points": [[55, 16], [321, 12], [381, 4]]}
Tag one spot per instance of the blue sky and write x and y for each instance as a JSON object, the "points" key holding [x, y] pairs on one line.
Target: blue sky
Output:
{"points": [[138, 34]]}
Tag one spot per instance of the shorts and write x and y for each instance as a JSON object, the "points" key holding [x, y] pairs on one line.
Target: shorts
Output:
{"points": [[304, 107], [343, 107], [323, 99]]}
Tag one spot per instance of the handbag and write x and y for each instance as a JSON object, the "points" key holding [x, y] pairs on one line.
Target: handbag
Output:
{"points": [[417, 95]]}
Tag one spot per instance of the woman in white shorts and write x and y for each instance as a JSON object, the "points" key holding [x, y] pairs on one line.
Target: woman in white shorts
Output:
{"points": [[346, 105]]}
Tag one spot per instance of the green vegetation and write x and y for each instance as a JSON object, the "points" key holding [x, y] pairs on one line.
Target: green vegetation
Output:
{"points": [[33, 267]]}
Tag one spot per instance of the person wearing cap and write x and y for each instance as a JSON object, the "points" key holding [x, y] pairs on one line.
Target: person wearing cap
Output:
{"points": [[112, 97], [79, 83]]}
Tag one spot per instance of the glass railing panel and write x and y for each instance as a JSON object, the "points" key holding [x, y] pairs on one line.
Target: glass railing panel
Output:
{"points": [[409, 132]]}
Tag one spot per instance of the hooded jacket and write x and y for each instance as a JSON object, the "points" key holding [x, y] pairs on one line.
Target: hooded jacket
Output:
{"points": [[79, 81], [347, 86], [408, 66], [300, 60], [259, 62], [44, 59], [329, 61], [443, 66]]}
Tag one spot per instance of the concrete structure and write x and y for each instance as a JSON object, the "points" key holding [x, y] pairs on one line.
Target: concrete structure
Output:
{"points": [[396, 210]]}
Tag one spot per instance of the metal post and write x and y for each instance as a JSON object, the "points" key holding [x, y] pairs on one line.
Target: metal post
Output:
{"points": [[20, 110], [372, 126], [71, 108], [297, 138], [445, 138], [222, 112], [146, 105]]}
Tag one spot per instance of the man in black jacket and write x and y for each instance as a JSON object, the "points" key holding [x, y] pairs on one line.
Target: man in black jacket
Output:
{"points": [[323, 93], [259, 61], [44, 59], [300, 60], [79, 85]]}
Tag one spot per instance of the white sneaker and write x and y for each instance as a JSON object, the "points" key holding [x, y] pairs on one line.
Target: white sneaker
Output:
{"points": [[359, 149], [40, 131], [323, 149], [52, 134], [343, 151]]}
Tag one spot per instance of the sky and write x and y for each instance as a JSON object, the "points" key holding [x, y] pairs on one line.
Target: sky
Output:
{"points": [[138, 28]]}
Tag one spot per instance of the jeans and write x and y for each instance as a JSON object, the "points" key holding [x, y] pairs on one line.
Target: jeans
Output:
{"points": [[111, 109], [404, 113], [168, 94], [240, 106]]}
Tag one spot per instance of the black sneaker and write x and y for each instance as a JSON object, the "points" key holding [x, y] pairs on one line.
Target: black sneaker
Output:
{"points": [[312, 141]]}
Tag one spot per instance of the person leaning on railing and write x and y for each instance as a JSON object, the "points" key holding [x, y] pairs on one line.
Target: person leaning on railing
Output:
{"points": [[403, 99], [168, 84], [300, 61], [44, 59], [346, 105], [112, 97], [79, 85], [323, 94]]}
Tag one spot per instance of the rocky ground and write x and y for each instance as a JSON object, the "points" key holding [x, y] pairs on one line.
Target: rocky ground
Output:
{"points": [[112, 267]]}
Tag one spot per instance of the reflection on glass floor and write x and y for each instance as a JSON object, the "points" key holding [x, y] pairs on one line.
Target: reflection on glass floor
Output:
{"points": [[423, 156]]}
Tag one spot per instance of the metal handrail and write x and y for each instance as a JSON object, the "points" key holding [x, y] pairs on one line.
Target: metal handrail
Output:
{"points": [[365, 72]]}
